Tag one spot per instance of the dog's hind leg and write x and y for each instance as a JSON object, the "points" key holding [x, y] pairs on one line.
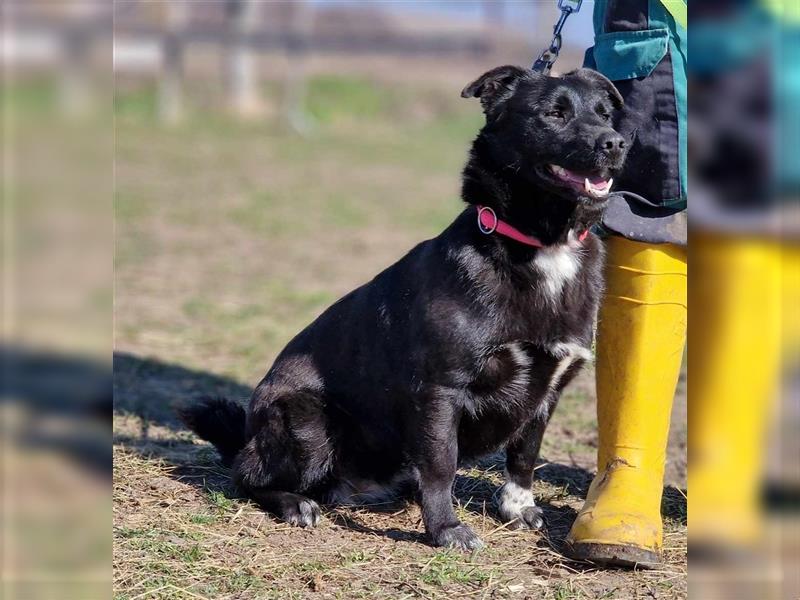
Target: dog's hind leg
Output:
{"points": [[289, 454]]}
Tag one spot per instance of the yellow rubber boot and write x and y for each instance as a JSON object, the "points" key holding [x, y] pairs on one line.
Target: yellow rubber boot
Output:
{"points": [[640, 339], [735, 365]]}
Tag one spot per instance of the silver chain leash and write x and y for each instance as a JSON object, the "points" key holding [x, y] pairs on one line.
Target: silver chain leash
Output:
{"points": [[548, 56]]}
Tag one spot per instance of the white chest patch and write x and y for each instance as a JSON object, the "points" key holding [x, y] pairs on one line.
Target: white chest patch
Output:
{"points": [[557, 264]]}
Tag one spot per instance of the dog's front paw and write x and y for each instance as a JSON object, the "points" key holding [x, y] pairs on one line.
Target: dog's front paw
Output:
{"points": [[304, 513], [516, 507], [530, 517], [460, 537]]}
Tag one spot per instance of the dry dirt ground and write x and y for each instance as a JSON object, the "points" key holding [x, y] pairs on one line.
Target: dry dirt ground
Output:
{"points": [[230, 238]]}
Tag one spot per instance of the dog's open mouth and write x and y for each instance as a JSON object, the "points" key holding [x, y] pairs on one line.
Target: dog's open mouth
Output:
{"points": [[592, 184]]}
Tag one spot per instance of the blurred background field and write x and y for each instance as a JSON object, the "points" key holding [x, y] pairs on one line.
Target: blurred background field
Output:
{"points": [[229, 249]]}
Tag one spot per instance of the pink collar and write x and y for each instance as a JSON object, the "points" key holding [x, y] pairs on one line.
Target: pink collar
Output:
{"points": [[489, 223]]}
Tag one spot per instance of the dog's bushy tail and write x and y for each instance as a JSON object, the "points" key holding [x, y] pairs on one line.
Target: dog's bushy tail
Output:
{"points": [[219, 421]]}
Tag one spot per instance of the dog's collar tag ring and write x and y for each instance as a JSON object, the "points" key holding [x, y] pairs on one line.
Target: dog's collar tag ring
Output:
{"points": [[484, 228]]}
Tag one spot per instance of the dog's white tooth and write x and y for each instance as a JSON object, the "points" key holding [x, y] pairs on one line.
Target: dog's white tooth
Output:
{"points": [[587, 186], [610, 183]]}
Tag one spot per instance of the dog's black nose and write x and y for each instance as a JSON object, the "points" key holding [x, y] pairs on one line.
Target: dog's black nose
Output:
{"points": [[611, 144]]}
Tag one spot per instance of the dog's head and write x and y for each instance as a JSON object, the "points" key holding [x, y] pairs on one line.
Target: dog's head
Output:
{"points": [[555, 132]]}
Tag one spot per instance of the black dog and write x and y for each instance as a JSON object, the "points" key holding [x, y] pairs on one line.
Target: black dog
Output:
{"points": [[460, 348]]}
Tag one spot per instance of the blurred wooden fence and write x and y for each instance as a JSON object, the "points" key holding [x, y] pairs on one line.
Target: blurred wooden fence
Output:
{"points": [[238, 29]]}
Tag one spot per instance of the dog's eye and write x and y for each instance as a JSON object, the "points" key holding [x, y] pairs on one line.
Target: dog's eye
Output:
{"points": [[605, 116], [555, 114]]}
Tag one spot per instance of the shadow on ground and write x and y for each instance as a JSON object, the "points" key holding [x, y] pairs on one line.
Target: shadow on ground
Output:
{"points": [[63, 404], [150, 389]]}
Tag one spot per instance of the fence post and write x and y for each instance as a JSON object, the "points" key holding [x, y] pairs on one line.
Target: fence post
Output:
{"points": [[74, 82], [296, 81], [241, 67], [170, 92]]}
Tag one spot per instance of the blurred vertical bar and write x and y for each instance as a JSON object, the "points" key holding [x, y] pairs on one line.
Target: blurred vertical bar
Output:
{"points": [[744, 292], [57, 269]]}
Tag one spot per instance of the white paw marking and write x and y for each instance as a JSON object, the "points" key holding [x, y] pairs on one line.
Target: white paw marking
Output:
{"points": [[511, 499], [308, 514]]}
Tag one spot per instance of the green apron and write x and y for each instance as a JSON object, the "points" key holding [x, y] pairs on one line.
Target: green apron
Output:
{"points": [[640, 47]]}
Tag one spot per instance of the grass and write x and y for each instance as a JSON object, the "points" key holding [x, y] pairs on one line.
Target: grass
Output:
{"points": [[203, 519], [233, 236], [333, 97], [451, 567], [356, 557], [176, 526], [220, 501]]}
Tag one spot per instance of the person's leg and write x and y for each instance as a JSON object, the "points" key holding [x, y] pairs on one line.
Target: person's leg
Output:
{"points": [[640, 340]]}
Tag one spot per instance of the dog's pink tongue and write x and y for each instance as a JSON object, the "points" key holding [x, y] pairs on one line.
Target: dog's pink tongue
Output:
{"points": [[596, 180]]}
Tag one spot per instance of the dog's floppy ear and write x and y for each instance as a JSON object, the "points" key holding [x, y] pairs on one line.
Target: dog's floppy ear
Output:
{"points": [[601, 80], [495, 86]]}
